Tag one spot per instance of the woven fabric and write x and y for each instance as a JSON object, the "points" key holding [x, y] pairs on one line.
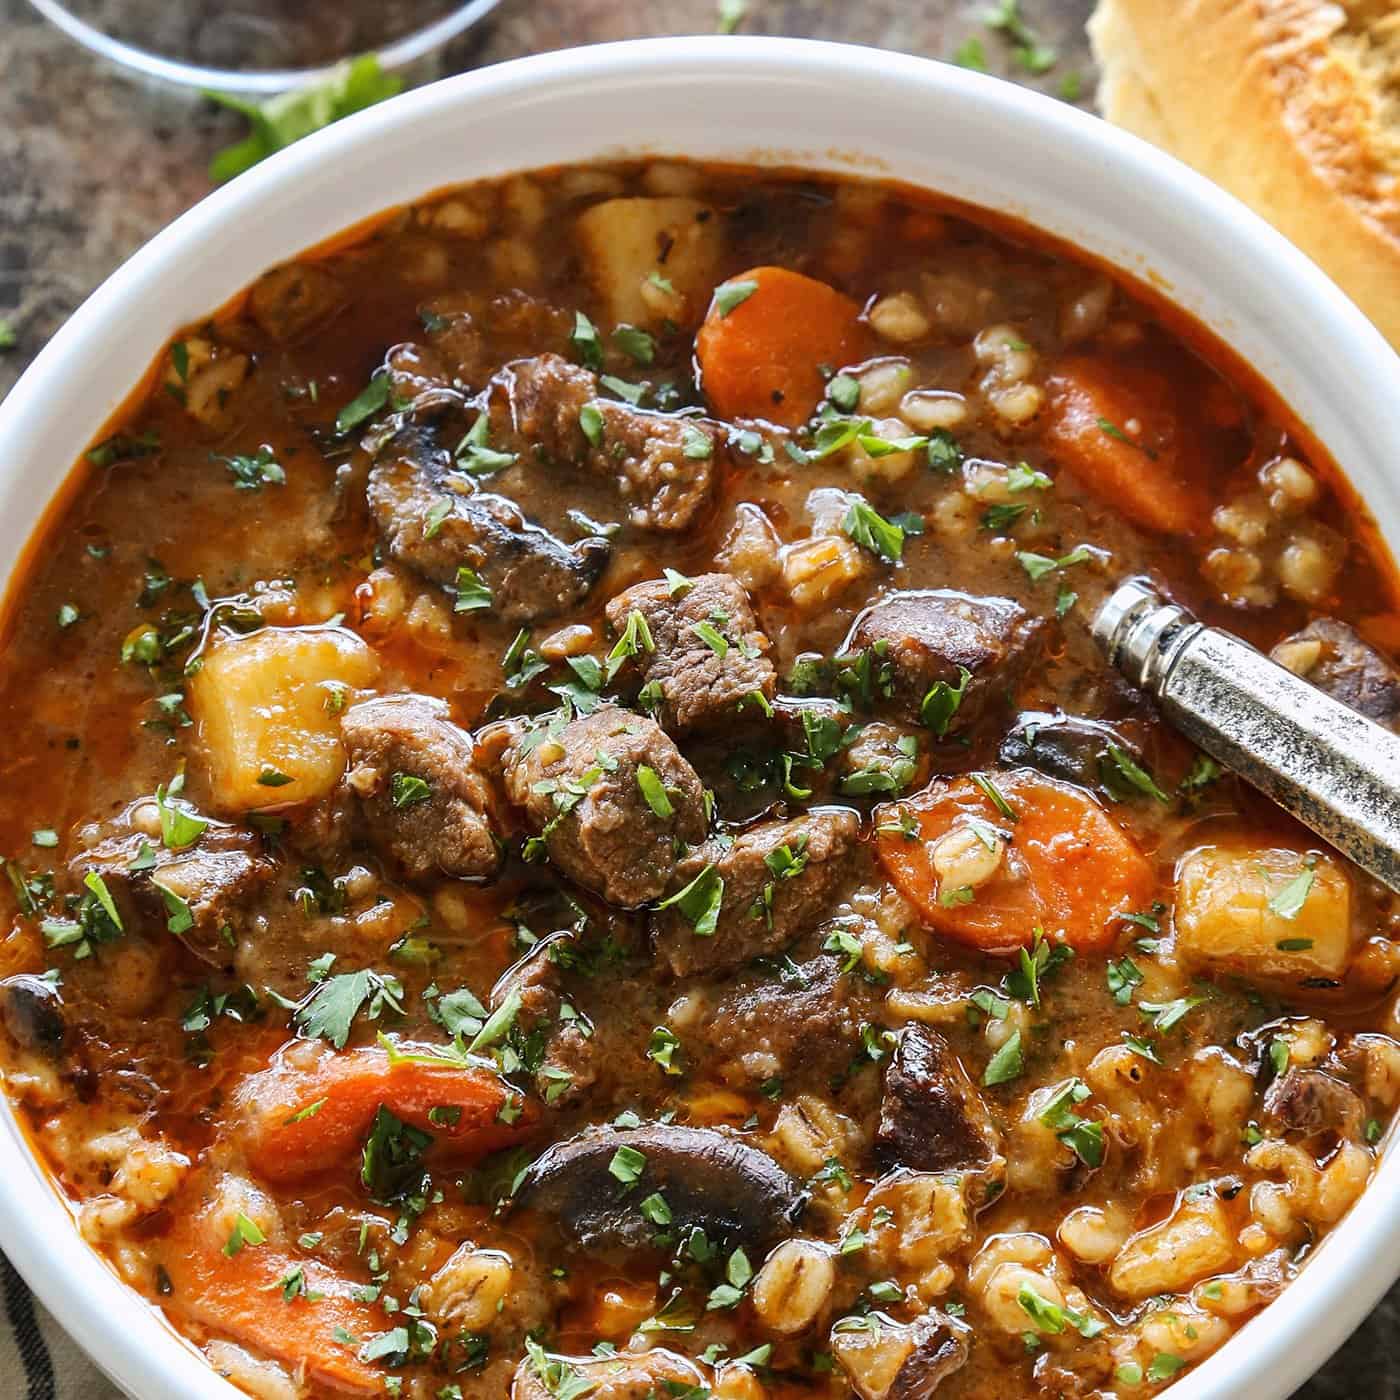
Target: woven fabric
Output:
{"points": [[38, 1360]]}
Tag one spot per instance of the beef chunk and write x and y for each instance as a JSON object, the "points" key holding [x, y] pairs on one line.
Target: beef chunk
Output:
{"points": [[586, 795], [932, 1119], [779, 879], [1309, 1101], [1331, 655], [703, 683], [424, 802], [923, 638], [1067, 747], [210, 880], [474, 337], [438, 526], [901, 1360], [790, 1020], [568, 1055], [662, 467]]}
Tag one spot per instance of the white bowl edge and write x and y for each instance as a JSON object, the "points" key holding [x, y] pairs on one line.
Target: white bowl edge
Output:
{"points": [[777, 101]]}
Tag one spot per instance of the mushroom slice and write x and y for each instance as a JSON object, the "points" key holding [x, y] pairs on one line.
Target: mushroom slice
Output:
{"points": [[594, 1185], [31, 1010]]}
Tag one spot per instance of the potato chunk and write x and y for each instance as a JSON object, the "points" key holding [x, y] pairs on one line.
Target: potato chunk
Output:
{"points": [[1193, 1242], [267, 710], [1263, 911], [652, 260]]}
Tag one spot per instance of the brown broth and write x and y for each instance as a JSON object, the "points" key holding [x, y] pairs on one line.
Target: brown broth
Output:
{"points": [[189, 546]]}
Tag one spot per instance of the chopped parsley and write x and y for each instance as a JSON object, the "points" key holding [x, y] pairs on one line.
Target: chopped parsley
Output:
{"points": [[1123, 775], [407, 790], [627, 1165], [654, 792], [1166, 1014], [369, 401], [635, 639], [1006, 1064], [1038, 565], [329, 1011], [472, 594], [590, 419], [244, 1232], [1083, 1135], [253, 473], [942, 702], [865, 526], [588, 345], [662, 1047], [731, 294], [1289, 901], [700, 901], [1111, 429]]}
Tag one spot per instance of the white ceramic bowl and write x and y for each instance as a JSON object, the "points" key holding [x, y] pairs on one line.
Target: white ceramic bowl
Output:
{"points": [[767, 100]]}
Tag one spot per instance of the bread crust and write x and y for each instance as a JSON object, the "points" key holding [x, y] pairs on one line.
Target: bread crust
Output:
{"points": [[1292, 105]]}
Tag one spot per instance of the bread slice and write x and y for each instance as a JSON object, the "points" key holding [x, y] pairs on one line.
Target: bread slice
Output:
{"points": [[1292, 105]]}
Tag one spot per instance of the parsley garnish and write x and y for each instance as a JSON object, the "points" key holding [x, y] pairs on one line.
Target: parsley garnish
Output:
{"points": [[700, 901], [1006, 1064], [329, 1011], [369, 401], [654, 792], [407, 790], [472, 594], [1289, 901], [942, 702], [279, 121], [731, 294], [253, 473], [244, 1232], [865, 526]]}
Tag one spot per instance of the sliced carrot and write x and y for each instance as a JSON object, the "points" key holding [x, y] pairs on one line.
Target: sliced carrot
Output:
{"points": [[298, 1121], [1117, 428], [1066, 867], [763, 356], [243, 1297]]}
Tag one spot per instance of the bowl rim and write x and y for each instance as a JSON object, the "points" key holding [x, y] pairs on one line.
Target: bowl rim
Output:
{"points": [[128, 1337]]}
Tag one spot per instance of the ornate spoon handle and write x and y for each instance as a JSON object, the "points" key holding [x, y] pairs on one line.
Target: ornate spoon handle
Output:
{"points": [[1335, 770]]}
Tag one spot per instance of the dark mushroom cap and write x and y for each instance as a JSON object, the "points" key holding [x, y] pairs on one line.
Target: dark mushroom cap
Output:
{"points": [[732, 1191], [32, 1011]]}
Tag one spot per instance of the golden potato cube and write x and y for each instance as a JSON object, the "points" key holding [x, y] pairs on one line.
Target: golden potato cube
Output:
{"points": [[268, 710], [1192, 1243], [652, 260], [1264, 911]]}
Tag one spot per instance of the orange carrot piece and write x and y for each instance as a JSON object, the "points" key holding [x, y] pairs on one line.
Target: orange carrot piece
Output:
{"points": [[763, 356], [241, 1297], [1116, 428], [300, 1121], [1067, 868]]}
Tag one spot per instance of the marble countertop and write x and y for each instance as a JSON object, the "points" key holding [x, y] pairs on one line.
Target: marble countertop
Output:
{"points": [[92, 163]]}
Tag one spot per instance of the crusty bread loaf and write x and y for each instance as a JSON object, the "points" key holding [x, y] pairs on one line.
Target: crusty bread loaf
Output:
{"points": [[1293, 105]]}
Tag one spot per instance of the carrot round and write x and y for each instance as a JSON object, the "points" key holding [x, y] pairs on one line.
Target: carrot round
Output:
{"points": [[1117, 429], [762, 356], [1065, 867], [298, 1120], [243, 1297]]}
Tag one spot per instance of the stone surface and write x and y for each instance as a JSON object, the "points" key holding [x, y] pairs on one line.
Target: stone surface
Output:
{"points": [[93, 163]]}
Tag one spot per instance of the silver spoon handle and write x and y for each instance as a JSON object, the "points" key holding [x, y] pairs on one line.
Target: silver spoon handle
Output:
{"points": [[1335, 770]]}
